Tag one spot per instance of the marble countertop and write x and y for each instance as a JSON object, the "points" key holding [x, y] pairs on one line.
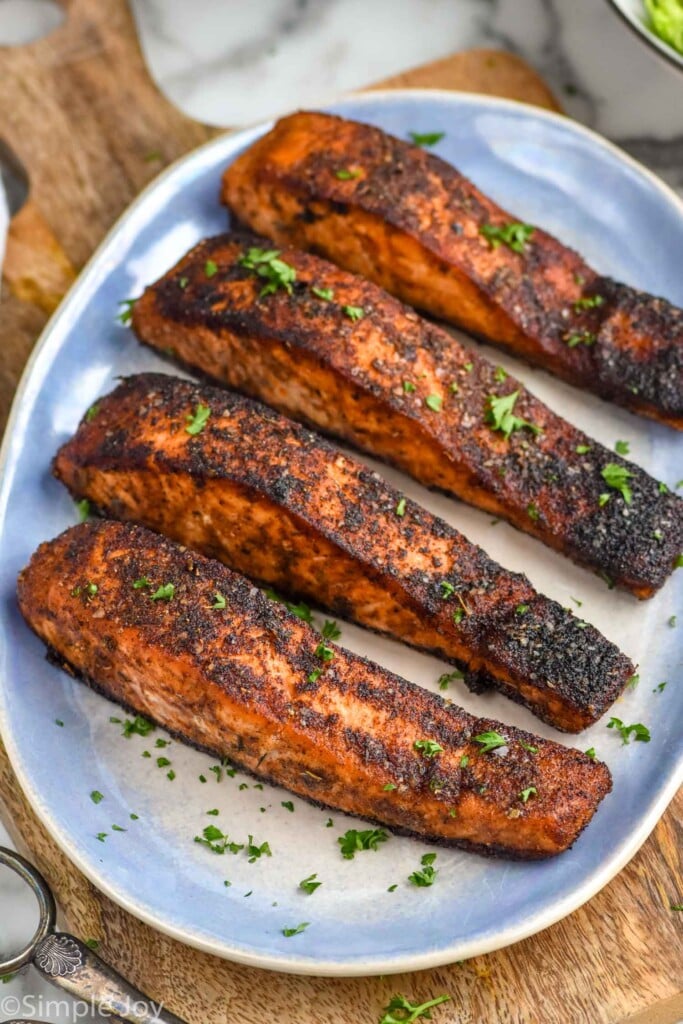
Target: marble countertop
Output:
{"points": [[232, 64]]}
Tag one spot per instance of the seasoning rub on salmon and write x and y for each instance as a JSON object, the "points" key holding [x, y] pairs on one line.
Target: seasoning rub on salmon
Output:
{"points": [[335, 351], [199, 650], [280, 504], [408, 220]]}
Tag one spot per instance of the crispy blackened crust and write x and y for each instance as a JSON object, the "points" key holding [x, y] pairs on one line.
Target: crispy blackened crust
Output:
{"points": [[412, 223], [239, 682], [282, 505], [368, 381]]}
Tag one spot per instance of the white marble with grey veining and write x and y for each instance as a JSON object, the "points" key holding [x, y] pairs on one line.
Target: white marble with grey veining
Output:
{"points": [[232, 63]]}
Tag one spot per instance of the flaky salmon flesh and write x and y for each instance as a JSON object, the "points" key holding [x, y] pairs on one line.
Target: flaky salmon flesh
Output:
{"points": [[411, 222], [336, 352], [200, 651], [278, 503]]}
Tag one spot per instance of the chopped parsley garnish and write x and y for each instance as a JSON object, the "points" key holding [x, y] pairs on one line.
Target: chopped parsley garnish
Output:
{"points": [[315, 675], [92, 412], [163, 762], [526, 793], [621, 447], [590, 753], [92, 943], [354, 841], [428, 748], [529, 747], [458, 616], [678, 562], [346, 175], [640, 732], [354, 312], [126, 314], [633, 681], [197, 420], [392, 888], [83, 509], [580, 338], [183, 282], [500, 375], [449, 677], [117, 828], [254, 851], [400, 1010], [301, 610], [589, 302], [408, 387], [581, 449], [532, 512], [464, 761], [447, 589], [603, 499], [426, 138], [671, 621], [219, 602], [662, 488], [210, 268], [388, 787], [309, 885], [324, 652], [214, 812], [288, 805], [331, 630], [265, 263], [323, 293], [165, 592], [59, 722], [490, 741], [467, 367], [427, 875], [514, 235], [137, 726], [401, 507], [676, 906], [329, 823], [96, 796], [434, 402], [617, 477], [521, 609], [288, 932], [659, 688], [217, 841], [144, 581], [499, 415], [101, 836]]}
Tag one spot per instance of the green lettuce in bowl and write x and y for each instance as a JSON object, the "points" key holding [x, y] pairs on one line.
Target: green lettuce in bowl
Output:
{"points": [[665, 19]]}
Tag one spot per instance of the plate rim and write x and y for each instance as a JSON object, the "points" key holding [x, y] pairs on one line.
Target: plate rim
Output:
{"points": [[291, 964]]}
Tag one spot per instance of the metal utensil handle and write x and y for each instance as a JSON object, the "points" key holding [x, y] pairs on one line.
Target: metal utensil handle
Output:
{"points": [[71, 965]]}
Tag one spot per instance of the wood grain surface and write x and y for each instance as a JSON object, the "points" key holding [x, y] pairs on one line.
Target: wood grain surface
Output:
{"points": [[81, 112]]}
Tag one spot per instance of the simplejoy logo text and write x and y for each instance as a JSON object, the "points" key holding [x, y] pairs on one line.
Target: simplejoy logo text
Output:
{"points": [[45, 1007]]}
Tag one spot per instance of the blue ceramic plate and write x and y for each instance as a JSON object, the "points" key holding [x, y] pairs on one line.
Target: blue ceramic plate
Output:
{"points": [[550, 172]]}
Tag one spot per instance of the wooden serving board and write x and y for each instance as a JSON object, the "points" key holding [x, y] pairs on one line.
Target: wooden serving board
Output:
{"points": [[82, 113]]}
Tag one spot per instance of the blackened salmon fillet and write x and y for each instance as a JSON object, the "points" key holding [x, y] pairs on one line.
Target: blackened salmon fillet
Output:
{"points": [[282, 505], [411, 222], [202, 652], [338, 353]]}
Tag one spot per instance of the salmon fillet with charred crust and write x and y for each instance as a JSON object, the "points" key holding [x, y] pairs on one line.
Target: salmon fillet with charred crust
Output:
{"points": [[336, 352], [245, 679], [412, 223], [280, 504]]}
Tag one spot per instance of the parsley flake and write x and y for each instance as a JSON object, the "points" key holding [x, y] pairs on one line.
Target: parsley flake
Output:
{"points": [[265, 263], [580, 338], [426, 876], [96, 796], [408, 387], [526, 793], [126, 314], [323, 293], [144, 581], [400, 1010], [582, 449], [428, 748], [219, 602], [401, 507], [590, 753], [288, 932], [449, 677], [309, 885], [490, 741], [639, 731], [589, 302], [514, 235], [354, 841], [210, 268], [197, 420], [344, 174], [434, 402], [354, 312], [288, 805], [621, 447], [499, 415], [617, 476], [426, 138], [165, 592]]}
